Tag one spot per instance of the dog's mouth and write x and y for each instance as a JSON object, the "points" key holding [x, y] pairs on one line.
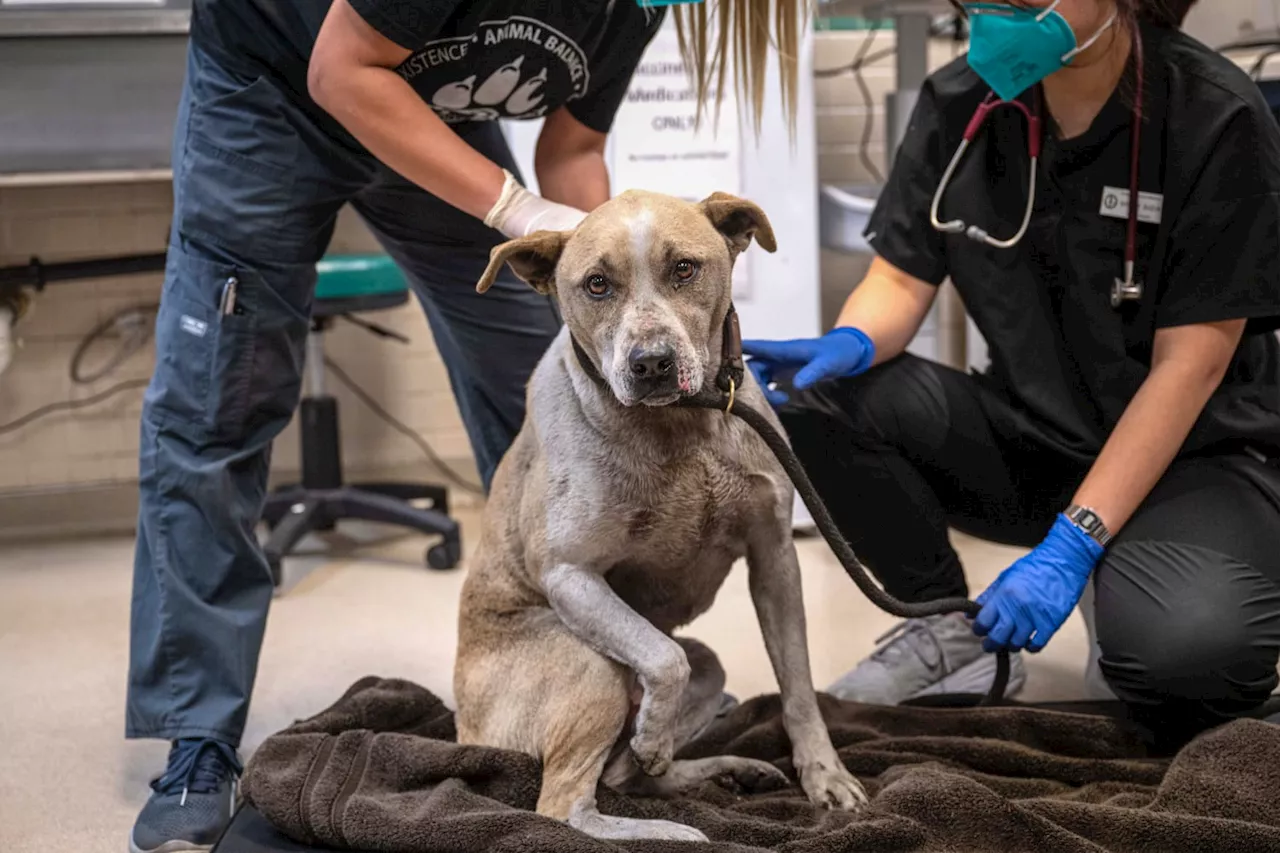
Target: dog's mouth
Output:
{"points": [[658, 399]]}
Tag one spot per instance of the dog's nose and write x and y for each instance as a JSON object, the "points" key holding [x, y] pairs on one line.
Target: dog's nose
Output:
{"points": [[652, 362]]}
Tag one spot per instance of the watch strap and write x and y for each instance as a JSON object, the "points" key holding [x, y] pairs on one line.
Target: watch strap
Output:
{"points": [[1089, 521]]}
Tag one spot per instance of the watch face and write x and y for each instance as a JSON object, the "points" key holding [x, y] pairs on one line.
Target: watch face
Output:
{"points": [[1088, 521]]}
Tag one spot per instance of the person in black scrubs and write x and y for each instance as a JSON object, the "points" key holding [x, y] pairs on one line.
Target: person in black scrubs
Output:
{"points": [[1128, 428]]}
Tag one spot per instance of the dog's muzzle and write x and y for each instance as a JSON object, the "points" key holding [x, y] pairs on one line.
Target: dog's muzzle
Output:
{"points": [[654, 370]]}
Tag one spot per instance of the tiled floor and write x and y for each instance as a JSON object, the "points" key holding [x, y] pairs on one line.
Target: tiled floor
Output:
{"points": [[69, 781]]}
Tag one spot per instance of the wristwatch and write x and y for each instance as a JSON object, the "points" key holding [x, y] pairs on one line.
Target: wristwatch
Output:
{"points": [[1088, 521]]}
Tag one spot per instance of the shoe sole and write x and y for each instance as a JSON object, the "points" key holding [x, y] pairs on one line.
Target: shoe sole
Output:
{"points": [[175, 846], [976, 677]]}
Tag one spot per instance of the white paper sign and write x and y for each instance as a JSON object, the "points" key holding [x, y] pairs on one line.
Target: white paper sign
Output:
{"points": [[656, 146]]}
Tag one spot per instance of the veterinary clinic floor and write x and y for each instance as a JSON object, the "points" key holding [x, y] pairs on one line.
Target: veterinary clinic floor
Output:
{"points": [[69, 780]]}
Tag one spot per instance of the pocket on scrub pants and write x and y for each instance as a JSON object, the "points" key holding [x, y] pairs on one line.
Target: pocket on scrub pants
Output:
{"points": [[224, 374], [236, 183]]}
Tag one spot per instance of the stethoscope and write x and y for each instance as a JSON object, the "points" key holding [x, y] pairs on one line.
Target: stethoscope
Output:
{"points": [[1126, 290]]}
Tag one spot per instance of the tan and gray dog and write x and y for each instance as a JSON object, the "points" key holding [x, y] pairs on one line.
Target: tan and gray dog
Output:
{"points": [[614, 519]]}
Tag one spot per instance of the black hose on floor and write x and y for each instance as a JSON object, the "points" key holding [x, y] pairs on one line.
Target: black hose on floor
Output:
{"points": [[712, 398]]}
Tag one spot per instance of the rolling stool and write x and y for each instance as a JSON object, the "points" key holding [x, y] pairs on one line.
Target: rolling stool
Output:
{"points": [[345, 285]]}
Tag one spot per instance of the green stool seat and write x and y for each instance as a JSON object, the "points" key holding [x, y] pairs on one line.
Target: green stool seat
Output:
{"points": [[349, 283]]}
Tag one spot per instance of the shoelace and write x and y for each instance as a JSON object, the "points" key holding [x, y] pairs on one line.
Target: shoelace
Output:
{"points": [[199, 766], [907, 631]]}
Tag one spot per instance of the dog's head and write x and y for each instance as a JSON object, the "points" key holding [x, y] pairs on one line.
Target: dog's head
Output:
{"points": [[644, 286]]}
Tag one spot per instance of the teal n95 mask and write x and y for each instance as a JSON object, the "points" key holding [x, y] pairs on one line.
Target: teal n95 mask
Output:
{"points": [[1013, 48]]}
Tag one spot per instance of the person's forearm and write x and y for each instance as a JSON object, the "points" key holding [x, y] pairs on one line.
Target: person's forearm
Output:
{"points": [[889, 307], [389, 119], [579, 179], [1145, 441]]}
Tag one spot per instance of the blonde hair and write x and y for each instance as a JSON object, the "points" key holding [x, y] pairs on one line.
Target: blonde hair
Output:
{"points": [[745, 31]]}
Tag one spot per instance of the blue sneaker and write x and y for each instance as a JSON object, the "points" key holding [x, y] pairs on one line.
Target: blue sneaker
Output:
{"points": [[192, 802]]}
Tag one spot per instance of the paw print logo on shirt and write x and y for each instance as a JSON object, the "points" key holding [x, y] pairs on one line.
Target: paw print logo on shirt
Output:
{"points": [[517, 68]]}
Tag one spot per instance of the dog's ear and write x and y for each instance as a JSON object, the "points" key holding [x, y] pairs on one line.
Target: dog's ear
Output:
{"points": [[532, 258], [739, 220]]}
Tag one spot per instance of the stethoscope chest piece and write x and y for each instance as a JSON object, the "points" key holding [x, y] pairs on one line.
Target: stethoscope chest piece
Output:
{"points": [[1127, 289]]}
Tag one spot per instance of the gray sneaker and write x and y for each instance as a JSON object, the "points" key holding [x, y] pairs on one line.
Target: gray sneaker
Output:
{"points": [[191, 802], [923, 657]]}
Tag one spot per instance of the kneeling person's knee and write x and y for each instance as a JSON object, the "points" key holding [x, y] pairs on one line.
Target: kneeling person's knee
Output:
{"points": [[1178, 623]]}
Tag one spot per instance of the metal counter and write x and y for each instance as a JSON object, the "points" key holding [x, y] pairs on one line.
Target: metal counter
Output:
{"points": [[88, 89]]}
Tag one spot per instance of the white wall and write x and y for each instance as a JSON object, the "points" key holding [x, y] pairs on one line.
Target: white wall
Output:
{"points": [[1216, 22]]}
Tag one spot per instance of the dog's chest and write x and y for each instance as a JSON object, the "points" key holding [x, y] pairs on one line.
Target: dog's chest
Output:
{"points": [[677, 542]]}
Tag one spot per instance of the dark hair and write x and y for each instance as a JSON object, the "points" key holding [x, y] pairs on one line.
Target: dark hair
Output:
{"points": [[1162, 13]]}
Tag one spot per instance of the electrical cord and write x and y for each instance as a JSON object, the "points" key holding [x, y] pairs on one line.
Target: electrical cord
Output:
{"points": [[72, 405], [950, 26], [862, 58], [868, 126], [133, 325], [132, 320], [427, 450], [848, 67]]}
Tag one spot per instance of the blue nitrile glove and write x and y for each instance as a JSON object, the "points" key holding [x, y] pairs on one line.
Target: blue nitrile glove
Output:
{"points": [[1031, 599], [839, 353]]}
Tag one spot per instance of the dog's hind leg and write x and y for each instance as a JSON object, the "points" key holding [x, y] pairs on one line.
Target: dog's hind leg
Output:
{"points": [[700, 705], [545, 692]]}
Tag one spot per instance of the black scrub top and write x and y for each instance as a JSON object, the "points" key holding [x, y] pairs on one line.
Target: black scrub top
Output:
{"points": [[470, 61], [1066, 360]]}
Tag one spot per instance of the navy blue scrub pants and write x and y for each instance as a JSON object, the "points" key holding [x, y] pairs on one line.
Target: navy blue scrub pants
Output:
{"points": [[258, 182], [1187, 596]]}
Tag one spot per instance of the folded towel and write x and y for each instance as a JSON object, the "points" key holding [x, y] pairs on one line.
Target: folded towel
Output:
{"points": [[379, 771]]}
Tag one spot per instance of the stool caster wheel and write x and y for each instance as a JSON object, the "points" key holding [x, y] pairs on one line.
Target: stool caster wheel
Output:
{"points": [[444, 555]]}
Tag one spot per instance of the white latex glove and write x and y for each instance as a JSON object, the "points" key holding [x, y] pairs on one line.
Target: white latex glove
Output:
{"points": [[518, 212]]}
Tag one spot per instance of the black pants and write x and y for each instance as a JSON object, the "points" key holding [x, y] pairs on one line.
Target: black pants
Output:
{"points": [[1188, 595]]}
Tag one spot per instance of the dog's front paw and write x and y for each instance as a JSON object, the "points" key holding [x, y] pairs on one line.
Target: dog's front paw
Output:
{"points": [[830, 785], [653, 751]]}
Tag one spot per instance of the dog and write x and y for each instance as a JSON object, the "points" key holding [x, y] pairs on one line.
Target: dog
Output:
{"points": [[615, 517]]}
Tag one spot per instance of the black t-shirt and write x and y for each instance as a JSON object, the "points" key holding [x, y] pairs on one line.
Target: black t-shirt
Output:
{"points": [[1066, 358], [472, 61]]}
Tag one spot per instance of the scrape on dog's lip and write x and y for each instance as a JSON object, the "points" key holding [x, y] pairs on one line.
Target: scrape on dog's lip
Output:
{"points": [[659, 400]]}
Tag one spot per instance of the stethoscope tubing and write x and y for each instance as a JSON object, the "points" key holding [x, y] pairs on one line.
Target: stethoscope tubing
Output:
{"points": [[1034, 141]]}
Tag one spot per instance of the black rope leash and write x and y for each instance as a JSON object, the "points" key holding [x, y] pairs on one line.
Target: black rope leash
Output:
{"points": [[722, 397], [712, 397]]}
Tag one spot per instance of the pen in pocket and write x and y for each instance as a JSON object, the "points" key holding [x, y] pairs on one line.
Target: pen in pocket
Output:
{"points": [[227, 305]]}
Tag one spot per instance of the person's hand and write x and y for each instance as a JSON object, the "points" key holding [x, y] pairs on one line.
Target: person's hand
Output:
{"points": [[519, 213], [839, 353], [1031, 599]]}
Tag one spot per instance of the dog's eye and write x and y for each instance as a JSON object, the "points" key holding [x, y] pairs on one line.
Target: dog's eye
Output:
{"points": [[597, 286], [685, 270]]}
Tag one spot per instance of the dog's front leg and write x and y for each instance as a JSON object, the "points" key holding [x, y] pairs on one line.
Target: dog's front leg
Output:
{"points": [[590, 608], [774, 577]]}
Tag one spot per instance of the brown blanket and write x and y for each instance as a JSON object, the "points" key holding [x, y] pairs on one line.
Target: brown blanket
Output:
{"points": [[379, 771]]}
